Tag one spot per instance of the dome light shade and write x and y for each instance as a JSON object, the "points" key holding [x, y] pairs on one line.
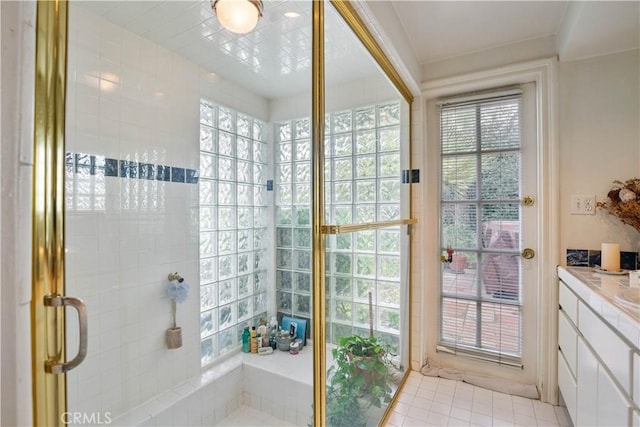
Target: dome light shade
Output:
{"points": [[238, 16]]}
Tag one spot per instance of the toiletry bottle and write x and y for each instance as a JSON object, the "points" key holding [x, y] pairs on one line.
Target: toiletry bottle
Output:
{"points": [[262, 331], [259, 341], [246, 338], [254, 340]]}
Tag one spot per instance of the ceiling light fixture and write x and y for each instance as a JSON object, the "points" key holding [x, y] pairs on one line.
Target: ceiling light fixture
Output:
{"points": [[238, 16]]}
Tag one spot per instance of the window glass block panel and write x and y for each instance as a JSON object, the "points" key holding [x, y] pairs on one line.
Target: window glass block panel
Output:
{"points": [[284, 153], [245, 240], [208, 191], [227, 315], [208, 322], [365, 265], [342, 145], [284, 301], [207, 114], [366, 142], [344, 242], [303, 172], [365, 166], [389, 267], [284, 215], [283, 279], [285, 195], [208, 270], [388, 212], [208, 350], [259, 152], [366, 118], [327, 124], [227, 339], [365, 191], [245, 172], [362, 315], [365, 213], [260, 259], [259, 176], [500, 328], [244, 263], [303, 282], [302, 193], [303, 260], [343, 263], [343, 311], [207, 166], [342, 122], [303, 129], [342, 215], [245, 217], [208, 139], [303, 304], [226, 266], [500, 176], [258, 130], [459, 321], [259, 238], [302, 238], [284, 132], [245, 285], [389, 319], [243, 126], [260, 195], [207, 244], [390, 139], [366, 241], [259, 303], [390, 190], [227, 291], [363, 287], [389, 165], [458, 225], [226, 218], [389, 293], [226, 144], [283, 258], [343, 287], [226, 119], [283, 172], [303, 150], [284, 237], [342, 192], [226, 169], [208, 297], [389, 241], [260, 217], [389, 114], [245, 309], [243, 148], [245, 194], [343, 169]]}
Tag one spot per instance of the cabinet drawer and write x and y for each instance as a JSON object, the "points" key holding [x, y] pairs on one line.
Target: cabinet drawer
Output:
{"points": [[567, 386], [636, 378], [569, 302], [567, 340], [613, 408], [614, 352]]}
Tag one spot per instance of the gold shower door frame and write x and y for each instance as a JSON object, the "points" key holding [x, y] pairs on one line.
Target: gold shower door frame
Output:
{"points": [[48, 323]]}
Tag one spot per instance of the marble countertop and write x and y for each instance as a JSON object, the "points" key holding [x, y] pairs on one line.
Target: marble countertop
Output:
{"points": [[599, 291]]}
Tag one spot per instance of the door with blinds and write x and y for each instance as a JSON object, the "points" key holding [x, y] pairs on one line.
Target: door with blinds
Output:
{"points": [[488, 222]]}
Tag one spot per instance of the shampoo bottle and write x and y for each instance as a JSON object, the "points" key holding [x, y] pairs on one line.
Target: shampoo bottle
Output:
{"points": [[254, 340], [246, 338]]}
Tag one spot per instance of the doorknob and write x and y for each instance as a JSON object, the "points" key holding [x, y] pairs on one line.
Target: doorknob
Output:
{"points": [[528, 253], [527, 201], [55, 366]]}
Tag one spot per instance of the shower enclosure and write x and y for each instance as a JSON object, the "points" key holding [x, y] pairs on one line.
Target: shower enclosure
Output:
{"points": [[191, 150]]}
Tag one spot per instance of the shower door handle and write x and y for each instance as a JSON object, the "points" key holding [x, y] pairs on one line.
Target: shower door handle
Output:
{"points": [[54, 366]]}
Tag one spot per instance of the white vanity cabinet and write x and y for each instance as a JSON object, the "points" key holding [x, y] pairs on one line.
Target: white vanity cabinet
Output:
{"points": [[598, 367]]}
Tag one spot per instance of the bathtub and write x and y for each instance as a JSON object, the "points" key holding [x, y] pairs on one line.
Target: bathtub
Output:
{"points": [[279, 384]]}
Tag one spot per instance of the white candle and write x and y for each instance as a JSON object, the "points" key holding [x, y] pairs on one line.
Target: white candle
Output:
{"points": [[610, 257]]}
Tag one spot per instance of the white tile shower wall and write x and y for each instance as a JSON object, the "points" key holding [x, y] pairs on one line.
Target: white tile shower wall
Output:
{"points": [[130, 99]]}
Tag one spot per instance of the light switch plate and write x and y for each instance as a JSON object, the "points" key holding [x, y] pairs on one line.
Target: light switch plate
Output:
{"points": [[583, 204]]}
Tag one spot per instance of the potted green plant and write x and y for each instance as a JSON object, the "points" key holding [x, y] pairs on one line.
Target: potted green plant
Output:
{"points": [[358, 379]]}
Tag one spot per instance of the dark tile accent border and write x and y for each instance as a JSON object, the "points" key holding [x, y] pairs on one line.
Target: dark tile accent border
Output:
{"points": [[163, 173], [177, 174], [110, 167], [192, 176], [592, 258], [577, 257], [269, 185]]}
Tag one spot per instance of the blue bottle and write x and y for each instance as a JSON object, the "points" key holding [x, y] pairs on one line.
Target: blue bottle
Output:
{"points": [[246, 347]]}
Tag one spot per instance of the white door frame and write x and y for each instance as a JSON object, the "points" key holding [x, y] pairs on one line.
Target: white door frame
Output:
{"points": [[544, 74]]}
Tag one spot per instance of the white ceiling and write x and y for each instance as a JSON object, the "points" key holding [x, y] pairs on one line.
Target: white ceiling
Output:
{"points": [[274, 60]]}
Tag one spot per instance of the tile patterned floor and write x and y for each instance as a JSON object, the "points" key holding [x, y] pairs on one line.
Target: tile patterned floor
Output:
{"points": [[428, 401]]}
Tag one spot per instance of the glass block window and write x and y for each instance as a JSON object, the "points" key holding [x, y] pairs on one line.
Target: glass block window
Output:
{"points": [[362, 184], [233, 207]]}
